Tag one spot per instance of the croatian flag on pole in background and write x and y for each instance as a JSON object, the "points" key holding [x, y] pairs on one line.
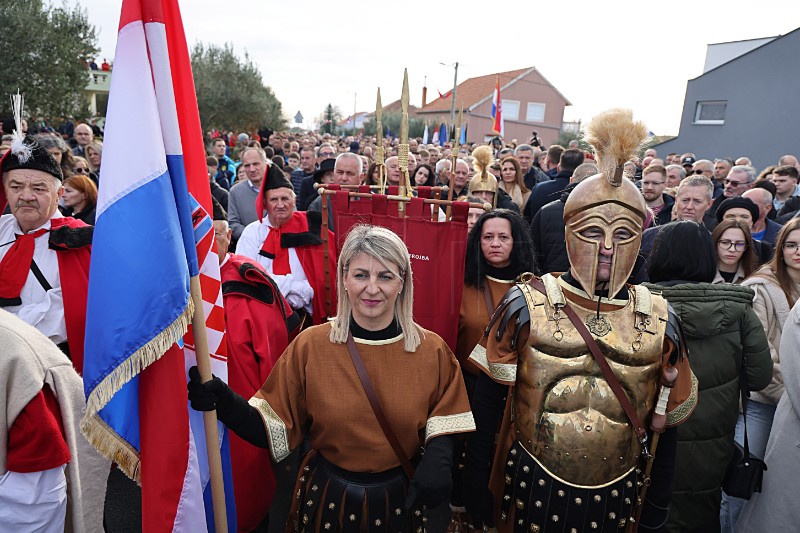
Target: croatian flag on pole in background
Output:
{"points": [[497, 110], [152, 234]]}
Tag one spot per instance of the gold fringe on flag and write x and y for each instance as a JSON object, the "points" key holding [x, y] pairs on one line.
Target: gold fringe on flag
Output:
{"points": [[97, 432]]}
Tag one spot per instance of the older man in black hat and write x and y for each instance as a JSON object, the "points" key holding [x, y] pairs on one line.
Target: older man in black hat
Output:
{"points": [[323, 174], [289, 245], [44, 257]]}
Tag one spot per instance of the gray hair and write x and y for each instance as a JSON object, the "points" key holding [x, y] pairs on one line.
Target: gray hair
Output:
{"points": [[680, 169], [440, 164], [523, 148], [697, 181], [51, 141], [746, 169], [583, 171], [386, 247], [254, 148], [704, 162], [350, 155]]}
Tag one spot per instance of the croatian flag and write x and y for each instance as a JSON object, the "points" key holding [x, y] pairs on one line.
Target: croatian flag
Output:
{"points": [[497, 110], [152, 235]]}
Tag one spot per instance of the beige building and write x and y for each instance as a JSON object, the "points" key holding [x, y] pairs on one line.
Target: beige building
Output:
{"points": [[529, 103]]}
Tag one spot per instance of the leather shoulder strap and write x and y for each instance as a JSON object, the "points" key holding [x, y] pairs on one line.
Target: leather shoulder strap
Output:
{"points": [[408, 468], [611, 378]]}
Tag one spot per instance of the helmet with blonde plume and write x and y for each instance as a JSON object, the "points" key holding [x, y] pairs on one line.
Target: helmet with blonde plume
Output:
{"points": [[606, 210], [483, 180]]}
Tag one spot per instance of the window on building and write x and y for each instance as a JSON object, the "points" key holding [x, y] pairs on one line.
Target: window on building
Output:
{"points": [[535, 112], [510, 109], [711, 112]]}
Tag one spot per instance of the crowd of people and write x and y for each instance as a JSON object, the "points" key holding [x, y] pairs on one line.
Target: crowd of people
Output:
{"points": [[685, 270]]}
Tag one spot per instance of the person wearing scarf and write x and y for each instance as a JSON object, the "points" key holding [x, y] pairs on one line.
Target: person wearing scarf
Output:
{"points": [[44, 256], [289, 245]]}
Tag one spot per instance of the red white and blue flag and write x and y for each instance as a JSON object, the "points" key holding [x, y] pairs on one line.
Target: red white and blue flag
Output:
{"points": [[152, 234], [497, 110]]}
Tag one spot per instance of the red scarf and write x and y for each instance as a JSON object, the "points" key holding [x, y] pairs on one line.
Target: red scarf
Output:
{"points": [[272, 249], [15, 266]]}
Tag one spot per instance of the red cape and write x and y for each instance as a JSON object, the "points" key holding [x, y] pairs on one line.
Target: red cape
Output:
{"points": [[258, 326], [303, 232], [71, 239]]}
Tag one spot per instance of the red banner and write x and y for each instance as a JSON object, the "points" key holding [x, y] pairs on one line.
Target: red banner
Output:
{"points": [[437, 252]]}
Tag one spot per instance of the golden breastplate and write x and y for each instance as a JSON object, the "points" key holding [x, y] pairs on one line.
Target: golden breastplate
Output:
{"points": [[566, 414]]}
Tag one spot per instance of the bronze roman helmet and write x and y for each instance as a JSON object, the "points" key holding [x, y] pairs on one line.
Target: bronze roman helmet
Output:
{"points": [[483, 180], [608, 203]]}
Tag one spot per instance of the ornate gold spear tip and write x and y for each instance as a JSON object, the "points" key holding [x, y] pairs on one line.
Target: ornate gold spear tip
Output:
{"points": [[378, 107]]}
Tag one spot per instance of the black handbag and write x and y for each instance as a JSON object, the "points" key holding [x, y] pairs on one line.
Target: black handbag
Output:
{"points": [[745, 471]]}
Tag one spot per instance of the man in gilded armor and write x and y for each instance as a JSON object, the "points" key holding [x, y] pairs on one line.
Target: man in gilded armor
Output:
{"points": [[569, 456]]}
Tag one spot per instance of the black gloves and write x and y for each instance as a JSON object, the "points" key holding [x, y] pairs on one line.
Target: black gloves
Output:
{"points": [[433, 480], [488, 403], [232, 409]]}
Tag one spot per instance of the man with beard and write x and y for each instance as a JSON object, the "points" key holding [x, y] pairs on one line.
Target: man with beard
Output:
{"points": [[654, 181]]}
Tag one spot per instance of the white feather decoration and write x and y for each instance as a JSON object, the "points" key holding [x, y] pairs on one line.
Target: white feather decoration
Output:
{"points": [[21, 150]]}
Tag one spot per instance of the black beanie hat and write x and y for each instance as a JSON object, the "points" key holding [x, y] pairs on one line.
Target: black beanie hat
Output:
{"points": [[29, 154], [737, 201], [276, 179]]}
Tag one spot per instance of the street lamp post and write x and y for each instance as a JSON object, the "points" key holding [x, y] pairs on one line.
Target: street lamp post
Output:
{"points": [[453, 94]]}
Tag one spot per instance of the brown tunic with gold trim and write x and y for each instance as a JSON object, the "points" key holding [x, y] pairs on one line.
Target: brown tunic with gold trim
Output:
{"points": [[475, 317], [314, 386]]}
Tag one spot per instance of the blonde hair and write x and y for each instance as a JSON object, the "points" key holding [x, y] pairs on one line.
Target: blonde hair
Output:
{"points": [[385, 246]]}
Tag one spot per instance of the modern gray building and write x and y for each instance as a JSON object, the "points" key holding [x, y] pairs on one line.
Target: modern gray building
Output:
{"points": [[746, 103]]}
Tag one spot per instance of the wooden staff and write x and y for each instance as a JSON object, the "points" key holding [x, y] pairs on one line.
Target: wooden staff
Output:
{"points": [[379, 149], [434, 190], [486, 206], [454, 155], [209, 417], [657, 423], [325, 268]]}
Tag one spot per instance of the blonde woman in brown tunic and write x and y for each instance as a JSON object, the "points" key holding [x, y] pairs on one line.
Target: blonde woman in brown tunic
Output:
{"points": [[353, 480]]}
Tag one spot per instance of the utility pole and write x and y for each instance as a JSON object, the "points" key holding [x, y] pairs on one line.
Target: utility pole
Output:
{"points": [[453, 102]]}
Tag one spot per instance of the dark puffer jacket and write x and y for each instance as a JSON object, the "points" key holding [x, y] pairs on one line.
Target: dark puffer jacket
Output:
{"points": [[710, 316]]}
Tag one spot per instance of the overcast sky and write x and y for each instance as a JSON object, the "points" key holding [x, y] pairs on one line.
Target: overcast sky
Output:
{"points": [[618, 53]]}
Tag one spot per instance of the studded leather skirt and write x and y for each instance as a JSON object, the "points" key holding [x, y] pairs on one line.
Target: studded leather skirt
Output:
{"points": [[535, 501], [329, 498]]}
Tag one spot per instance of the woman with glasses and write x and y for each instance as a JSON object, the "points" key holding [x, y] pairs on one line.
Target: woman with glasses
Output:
{"points": [[733, 248], [80, 166], [777, 288], [720, 329]]}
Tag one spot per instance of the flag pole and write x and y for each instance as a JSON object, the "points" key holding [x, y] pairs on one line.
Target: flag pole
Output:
{"points": [[209, 417]]}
